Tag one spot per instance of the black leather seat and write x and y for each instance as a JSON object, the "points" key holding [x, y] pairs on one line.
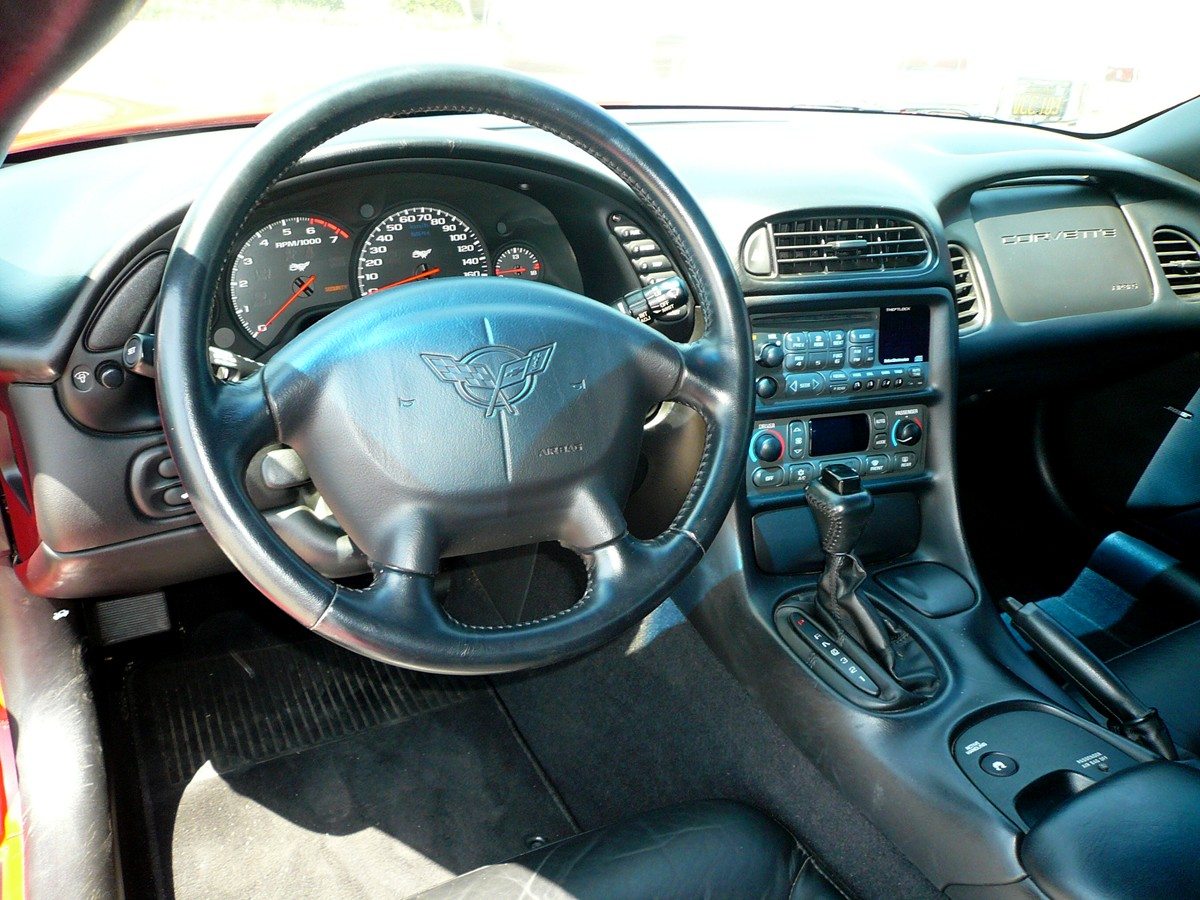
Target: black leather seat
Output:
{"points": [[714, 848], [1162, 674]]}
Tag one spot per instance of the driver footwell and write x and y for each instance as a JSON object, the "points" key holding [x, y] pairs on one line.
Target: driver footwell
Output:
{"points": [[302, 769]]}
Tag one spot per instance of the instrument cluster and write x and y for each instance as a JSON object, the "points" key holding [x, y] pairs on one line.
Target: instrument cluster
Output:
{"points": [[312, 249]]}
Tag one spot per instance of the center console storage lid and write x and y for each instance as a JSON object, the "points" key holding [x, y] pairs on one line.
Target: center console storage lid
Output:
{"points": [[1135, 834]]}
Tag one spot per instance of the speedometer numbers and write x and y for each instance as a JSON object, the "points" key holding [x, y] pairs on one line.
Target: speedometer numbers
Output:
{"points": [[286, 268], [416, 243]]}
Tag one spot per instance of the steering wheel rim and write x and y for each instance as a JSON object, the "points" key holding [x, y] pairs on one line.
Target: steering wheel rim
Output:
{"points": [[213, 428]]}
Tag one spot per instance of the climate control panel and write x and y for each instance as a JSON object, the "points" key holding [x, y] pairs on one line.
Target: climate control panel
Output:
{"points": [[786, 454]]}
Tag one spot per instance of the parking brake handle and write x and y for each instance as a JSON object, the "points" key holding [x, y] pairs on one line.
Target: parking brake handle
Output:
{"points": [[1138, 722]]}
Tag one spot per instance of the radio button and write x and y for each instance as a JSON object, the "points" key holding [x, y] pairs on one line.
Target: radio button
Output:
{"points": [[839, 382], [837, 359], [768, 478], [837, 339], [805, 385], [766, 387], [862, 335], [818, 361], [818, 340], [796, 340], [795, 362]]}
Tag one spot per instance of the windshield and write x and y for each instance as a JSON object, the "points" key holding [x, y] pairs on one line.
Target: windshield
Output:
{"points": [[192, 61]]}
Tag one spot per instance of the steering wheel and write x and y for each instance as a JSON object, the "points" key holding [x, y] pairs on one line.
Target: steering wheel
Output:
{"points": [[457, 415]]}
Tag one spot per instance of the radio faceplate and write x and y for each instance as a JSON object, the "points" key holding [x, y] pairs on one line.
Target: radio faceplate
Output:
{"points": [[785, 454], [867, 351]]}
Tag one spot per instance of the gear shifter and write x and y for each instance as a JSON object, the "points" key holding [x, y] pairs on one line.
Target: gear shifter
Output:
{"points": [[842, 508]]}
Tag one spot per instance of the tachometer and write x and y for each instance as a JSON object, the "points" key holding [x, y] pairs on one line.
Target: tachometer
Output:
{"points": [[287, 267], [518, 261], [416, 243]]}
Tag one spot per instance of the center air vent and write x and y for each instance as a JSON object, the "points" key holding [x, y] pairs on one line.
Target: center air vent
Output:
{"points": [[829, 245], [1179, 257], [966, 292]]}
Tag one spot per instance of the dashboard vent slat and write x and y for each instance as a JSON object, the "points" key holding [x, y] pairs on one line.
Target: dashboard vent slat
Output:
{"points": [[1179, 257], [826, 245], [966, 292]]}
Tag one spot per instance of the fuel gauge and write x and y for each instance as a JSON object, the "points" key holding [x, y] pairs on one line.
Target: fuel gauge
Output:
{"points": [[518, 261]]}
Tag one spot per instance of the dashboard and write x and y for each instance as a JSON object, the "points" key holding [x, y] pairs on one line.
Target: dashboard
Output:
{"points": [[890, 264], [326, 241]]}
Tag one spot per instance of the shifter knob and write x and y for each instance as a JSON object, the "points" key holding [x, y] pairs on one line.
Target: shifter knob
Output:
{"points": [[841, 507]]}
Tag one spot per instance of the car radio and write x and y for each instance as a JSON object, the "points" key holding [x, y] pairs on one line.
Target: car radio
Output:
{"points": [[869, 351], [789, 453]]}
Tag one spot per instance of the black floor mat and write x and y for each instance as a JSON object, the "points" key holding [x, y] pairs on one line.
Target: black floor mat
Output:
{"points": [[301, 769]]}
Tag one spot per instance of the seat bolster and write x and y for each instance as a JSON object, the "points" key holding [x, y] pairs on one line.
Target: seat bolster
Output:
{"points": [[713, 848]]}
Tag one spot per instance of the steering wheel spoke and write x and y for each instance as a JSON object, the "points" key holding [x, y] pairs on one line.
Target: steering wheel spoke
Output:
{"points": [[243, 417]]}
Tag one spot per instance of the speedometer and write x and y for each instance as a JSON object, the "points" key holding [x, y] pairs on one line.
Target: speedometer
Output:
{"points": [[416, 243]]}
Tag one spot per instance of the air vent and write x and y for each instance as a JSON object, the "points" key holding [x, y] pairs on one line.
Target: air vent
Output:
{"points": [[833, 244], [966, 292], [1179, 257]]}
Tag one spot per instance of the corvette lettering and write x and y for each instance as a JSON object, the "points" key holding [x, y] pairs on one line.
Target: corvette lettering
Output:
{"points": [[1070, 234]]}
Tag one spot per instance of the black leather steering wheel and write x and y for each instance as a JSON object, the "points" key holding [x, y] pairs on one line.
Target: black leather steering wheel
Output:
{"points": [[460, 414]]}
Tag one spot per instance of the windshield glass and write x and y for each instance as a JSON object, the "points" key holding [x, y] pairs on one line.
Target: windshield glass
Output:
{"points": [[192, 61]]}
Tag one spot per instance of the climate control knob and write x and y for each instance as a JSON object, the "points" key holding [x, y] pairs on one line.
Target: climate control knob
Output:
{"points": [[767, 447], [771, 356], [907, 432]]}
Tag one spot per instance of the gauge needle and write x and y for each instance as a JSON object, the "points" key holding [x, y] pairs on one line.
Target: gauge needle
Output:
{"points": [[426, 274], [517, 271], [290, 300]]}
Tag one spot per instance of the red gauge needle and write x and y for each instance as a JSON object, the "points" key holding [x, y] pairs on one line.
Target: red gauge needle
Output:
{"points": [[426, 274], [290, 300], [517, 271]]}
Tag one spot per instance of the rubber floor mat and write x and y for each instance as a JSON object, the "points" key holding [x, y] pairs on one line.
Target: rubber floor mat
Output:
{"points": [[305, 770], [254, 705]]}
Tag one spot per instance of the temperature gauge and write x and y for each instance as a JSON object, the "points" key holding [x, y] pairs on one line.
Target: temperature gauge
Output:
{"points": [[518, 261]]}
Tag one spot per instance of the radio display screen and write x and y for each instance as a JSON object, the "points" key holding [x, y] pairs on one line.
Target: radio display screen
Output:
{"points": [[831, 435], [903, 335]]}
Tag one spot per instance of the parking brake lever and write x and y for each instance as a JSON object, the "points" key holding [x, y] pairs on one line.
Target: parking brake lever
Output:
{"points": [[1138, 722]]}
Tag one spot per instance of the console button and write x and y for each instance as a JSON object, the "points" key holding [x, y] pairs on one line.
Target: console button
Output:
{"points": [[825, 646], [628, 232], [795, 362], [916, 375], [999, 764], [861, 356], [818, 361], [879, 420], [801, 474], [81, 379], [642, 247], [837, 359], [905, 461], [879, 441], [878, 465], [862, 335], [856, 384], [646, 264], [818, 340], [837, 340], [766, 387], [175, 496], [796, 340], [168, 469], [852, 461], [110, 374], [768, 478], [869, 384], [797, 439], [768, 446], [805, 385]]}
